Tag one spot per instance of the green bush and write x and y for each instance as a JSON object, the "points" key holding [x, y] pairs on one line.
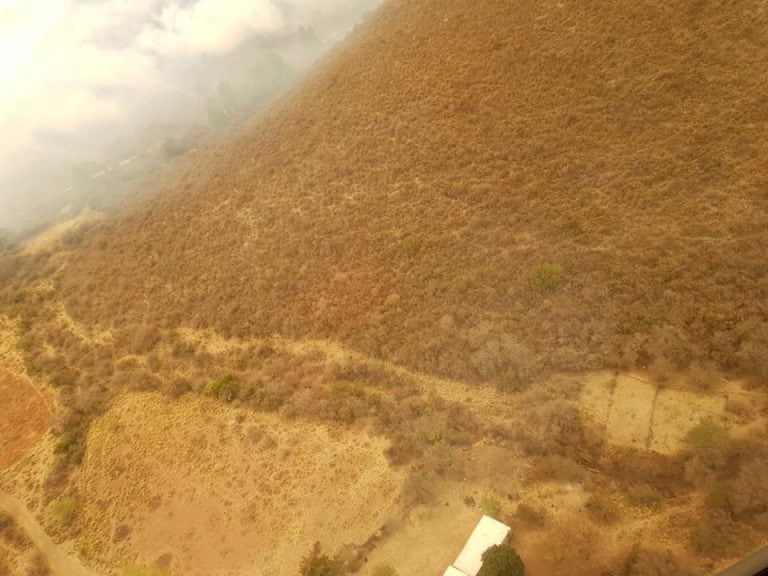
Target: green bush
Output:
{"points": [[223, 387], [709, 442], [384, 570], [63, 510], [71, 447], [145, 570], [546, 278], [501, 560], [490, 506]]}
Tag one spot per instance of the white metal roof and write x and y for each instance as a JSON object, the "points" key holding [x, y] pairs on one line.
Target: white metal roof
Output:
{"points": [[487, 533], [453, 572]]}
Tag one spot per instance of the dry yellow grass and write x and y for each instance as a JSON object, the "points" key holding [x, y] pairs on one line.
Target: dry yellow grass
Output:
{"points": [[224, 491]]}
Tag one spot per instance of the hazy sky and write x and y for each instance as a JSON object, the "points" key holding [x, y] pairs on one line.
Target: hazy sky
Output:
{"points": [[74, 71], [61, 59]]}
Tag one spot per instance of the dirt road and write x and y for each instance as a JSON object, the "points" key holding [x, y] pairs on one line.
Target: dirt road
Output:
{"points": [[60, 563]]}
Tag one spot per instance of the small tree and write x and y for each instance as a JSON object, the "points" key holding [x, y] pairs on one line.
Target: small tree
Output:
{"points": [[501, 560], [63, 510], [709, 442], [223, 387], [546, 278], [317, 564], [384, 570]]}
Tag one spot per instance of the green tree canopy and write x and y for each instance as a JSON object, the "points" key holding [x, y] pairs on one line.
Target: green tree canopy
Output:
{"points": [[501, 560]]}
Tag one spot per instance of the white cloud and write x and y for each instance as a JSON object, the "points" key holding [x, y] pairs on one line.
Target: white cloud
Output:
{"points": [[56, 54], [208, 26], [50, 70], [62, 62], [23, 25]]}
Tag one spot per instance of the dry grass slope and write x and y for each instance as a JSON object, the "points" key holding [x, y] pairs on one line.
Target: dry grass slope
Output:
{"points": [[505, 193], [400, 199]]}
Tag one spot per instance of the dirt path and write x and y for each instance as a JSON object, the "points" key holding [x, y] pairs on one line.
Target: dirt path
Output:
{"points": [[59, 561], [451, 390]]}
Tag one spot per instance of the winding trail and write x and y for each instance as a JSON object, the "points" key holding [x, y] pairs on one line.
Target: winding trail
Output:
{"points": [[60, 563], [448, 389]]}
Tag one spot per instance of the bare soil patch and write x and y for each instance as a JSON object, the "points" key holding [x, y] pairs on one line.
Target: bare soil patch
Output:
{"points": [[634, 412], [25, 412], [222, 491]]}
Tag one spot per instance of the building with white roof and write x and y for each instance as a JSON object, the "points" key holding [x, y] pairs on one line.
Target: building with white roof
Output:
{"points": [[487, 533]]}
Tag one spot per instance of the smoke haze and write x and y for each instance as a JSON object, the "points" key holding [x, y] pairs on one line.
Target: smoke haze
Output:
{"points": [[95, 96]]}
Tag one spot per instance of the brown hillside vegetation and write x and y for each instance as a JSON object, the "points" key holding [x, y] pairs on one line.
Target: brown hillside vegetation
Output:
{"points": [[565, 200], [406, 199]]}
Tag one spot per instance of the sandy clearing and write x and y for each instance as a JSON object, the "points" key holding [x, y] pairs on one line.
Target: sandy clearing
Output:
{"points": [[635, 412], [629, 419], [222, 491], [676, 412], [596, 397]]}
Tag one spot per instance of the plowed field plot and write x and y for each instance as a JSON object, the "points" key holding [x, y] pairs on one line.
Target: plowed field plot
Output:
{"points": [[635, 413], [24, 416]]}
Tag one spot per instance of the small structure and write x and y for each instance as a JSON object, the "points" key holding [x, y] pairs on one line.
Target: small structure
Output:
{"points": [[487, 533]]}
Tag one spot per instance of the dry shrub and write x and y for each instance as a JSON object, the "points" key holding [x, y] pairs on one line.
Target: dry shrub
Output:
{"points": [[558, 425], [418, 488], [743, 409], [644, 495], [38, 566], [176, 387], [444, 460], [752, 356], [140, 339], [574, 547], [647, 479], [716, 534], [670, 344], [647, 561], [602, 510], [500, 358], [530, 517], [702, 376], [748, 492], [12, 534], [709, 447]]}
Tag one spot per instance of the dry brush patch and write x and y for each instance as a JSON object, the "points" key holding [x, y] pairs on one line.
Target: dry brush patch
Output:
{"points": [[409, 222]]}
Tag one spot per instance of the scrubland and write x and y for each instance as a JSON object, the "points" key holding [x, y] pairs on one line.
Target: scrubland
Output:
{"points": [[520, 249]]}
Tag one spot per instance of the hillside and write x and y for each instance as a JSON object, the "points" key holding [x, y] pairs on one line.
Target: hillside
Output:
{"points": [[508, 258], [399, 200]]}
